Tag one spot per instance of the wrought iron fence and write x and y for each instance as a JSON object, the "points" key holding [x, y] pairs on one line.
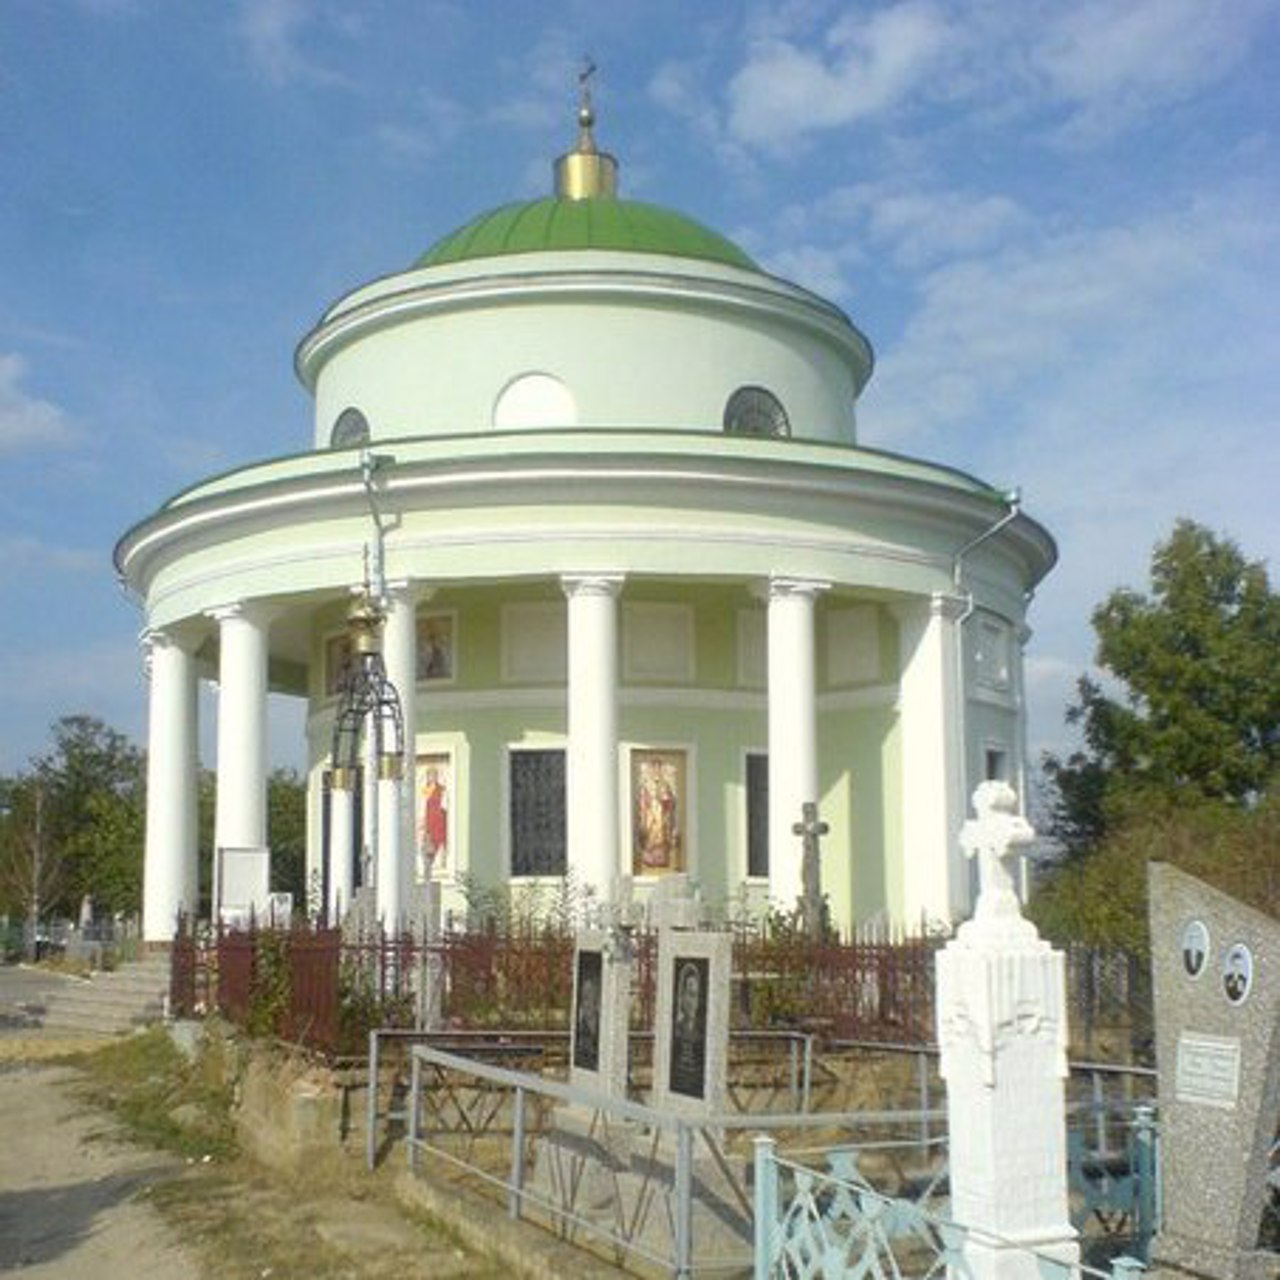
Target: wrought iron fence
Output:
{"points": [[812, 1223], [316, 986]]}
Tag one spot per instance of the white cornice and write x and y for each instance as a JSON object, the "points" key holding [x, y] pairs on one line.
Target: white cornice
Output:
{"points": [[761, 297]]}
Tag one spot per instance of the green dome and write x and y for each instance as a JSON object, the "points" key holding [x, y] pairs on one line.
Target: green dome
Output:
{"points": [[602, 222]]}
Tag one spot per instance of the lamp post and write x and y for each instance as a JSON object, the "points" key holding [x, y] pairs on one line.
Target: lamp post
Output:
{"points": [[368, 715]]}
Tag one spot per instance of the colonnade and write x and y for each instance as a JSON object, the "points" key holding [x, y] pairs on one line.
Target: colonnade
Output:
{"points": [[930, 717]]}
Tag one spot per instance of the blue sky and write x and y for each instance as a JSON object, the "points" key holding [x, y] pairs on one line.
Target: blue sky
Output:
{"points": [[1056, 220]]}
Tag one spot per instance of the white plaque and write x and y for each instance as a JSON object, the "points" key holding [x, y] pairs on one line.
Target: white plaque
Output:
{"points": [[1208, 1070]]}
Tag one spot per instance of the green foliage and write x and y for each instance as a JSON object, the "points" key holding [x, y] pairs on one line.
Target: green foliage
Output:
{"points": [[162, 1098], [1195, 669], [1181, 743], [90, 790], [1102, 898], [287, 834], [271, 996]]}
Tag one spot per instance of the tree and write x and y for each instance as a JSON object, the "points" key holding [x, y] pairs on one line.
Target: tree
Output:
{"points": [[287, 834], [95, 783], [1181, 744], [1195, 716], [31, 869], [77, 814]]}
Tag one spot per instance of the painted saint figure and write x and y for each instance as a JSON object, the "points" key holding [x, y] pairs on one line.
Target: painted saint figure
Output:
{"points": [[657, 817], [433, 829]]}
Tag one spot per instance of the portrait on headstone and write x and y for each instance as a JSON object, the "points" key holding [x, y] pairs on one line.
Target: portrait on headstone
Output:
{"points": [[586, 1013], [657, 812], [434, 779], [435, 647], [689, 1027], [1237, 973], [1195, 947]]}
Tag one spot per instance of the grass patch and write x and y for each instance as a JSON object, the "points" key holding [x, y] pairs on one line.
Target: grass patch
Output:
{"points": [[329, 1221], [161, 1098]]}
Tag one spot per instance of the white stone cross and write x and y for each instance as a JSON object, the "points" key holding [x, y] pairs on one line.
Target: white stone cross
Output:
{"points": [[997, 836]]}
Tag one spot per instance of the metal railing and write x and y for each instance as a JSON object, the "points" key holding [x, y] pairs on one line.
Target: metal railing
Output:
{"points": [[812, 1223], [664, 1206], [523, 1043]]}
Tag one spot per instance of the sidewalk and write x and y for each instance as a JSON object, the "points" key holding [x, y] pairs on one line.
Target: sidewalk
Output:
{"points": [[71, 1206]]}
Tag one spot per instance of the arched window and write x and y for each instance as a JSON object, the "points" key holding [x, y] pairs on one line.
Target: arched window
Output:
{"points": [[349, 428], [535, 400], [753, 411]]}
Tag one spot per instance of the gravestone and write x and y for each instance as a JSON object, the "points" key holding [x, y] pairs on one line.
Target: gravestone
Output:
{"points": [[1216, 974], [601, 1011], [1003, 1037], [691, 1050], [241, 886], [674, 903]]}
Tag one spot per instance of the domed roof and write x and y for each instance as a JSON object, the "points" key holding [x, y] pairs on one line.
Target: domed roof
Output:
{"points": [[557, 224]]}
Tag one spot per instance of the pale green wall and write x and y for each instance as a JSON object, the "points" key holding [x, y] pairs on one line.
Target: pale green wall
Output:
{"points": [[713, 719]]}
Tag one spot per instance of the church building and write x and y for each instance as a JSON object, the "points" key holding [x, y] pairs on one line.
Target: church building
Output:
{"points": [[640, 592]]}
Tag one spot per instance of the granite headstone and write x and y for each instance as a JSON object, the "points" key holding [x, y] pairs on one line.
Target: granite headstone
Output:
{"points": [[1216, 974]]}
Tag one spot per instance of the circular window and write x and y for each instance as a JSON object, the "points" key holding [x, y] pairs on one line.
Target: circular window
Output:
{"points": [[351, 427], [753, 411]]}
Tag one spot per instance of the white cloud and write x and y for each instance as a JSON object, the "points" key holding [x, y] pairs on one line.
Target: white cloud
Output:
{"points": [[866, 66], [273, 33], [917, 226], [1116, 62], [1059, 314], [1123, 376], [435, 122], [28, 423]]}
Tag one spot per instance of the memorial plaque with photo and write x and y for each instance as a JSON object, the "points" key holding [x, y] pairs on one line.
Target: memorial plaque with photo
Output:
{"points": [[586, 1010], [688, 1074]]}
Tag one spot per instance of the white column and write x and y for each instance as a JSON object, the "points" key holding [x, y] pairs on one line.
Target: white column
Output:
{"points": [[341, 846], [169, 884], [931, 726], [389, 891], [793, 730], [400, 653], [241, 816], [592, 763]]}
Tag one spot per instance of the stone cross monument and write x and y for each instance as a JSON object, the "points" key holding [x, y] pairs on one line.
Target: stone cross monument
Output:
{"points": [[1003, 1035], [810, 829]]}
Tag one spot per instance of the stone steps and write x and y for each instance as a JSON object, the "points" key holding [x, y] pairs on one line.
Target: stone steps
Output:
{"points": [[110, 1003]]}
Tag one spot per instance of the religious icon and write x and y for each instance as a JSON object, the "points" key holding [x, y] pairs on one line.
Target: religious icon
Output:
{"points": [[586, 1017], [1237, 973], [658, 811], [689, 1028], [1195, 947], [435, 646], [337, 652], [434, 779]]}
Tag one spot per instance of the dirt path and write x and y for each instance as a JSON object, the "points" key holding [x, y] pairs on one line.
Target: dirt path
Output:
{"points": [[73, 1206]]}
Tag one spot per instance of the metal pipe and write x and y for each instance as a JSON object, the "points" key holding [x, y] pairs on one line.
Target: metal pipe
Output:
{"points": [[371, 1106], [684, 1202], [516, 1195], [766, 1204]]}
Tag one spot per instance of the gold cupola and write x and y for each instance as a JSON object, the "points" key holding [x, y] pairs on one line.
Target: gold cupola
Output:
{"points": [[586, 173]]}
